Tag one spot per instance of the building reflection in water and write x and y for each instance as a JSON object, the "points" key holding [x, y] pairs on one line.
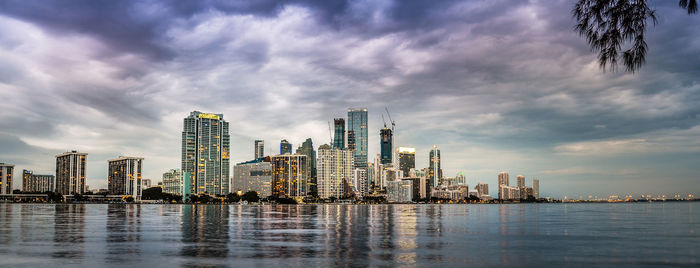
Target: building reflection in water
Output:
{"points": [[381, 226], [406, 233], [123, 232], [5, 227], [69, 231], [205, 231], [346, 234], [434, 231]]}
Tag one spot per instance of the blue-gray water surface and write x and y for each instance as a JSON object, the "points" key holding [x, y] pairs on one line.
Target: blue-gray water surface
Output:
{"points": [[527, 235]]}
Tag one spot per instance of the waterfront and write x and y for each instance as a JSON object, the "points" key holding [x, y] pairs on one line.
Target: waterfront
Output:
{"points": [[627, 234]]}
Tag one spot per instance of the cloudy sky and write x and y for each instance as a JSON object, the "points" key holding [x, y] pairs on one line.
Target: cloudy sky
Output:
{"points": [[497, 85]]}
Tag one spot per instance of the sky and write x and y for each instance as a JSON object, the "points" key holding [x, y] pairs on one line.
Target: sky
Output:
{"points": [[496, 85]]}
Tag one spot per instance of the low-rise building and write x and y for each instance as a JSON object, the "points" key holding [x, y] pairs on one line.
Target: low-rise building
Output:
{"points": [[254, 175], [399, 191], [453, 192]]}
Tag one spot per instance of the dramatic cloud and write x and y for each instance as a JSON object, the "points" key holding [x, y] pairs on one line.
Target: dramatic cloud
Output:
{"points": [[498, 85]]}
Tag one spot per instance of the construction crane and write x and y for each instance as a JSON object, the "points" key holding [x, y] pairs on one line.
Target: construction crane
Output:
{"points": [[393, 123]]}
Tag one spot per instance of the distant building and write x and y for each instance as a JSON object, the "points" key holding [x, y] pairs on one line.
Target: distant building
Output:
{"points": [[339, 133], [435, 171], [259, 149], [124, 177], [357, 125], [407, 160], [521, 181], [307, 149], [334, 167], [385, 145], [400, 191], [421, 187], [70, 173], [361, 181], [255, 175], [370, 177], [508, 192], [289, 175], [526, 192], [503, 180], [461, 179], [146, 183], [453, 192], [285, 147], [482, 189], [35, 183], [536, 188], [6, 172], [173, 182], [205, 153]]}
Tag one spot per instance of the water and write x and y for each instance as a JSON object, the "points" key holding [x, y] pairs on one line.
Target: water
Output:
{"points": [[552, 235]]}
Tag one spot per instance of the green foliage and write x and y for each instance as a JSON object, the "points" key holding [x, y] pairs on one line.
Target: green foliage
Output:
{"points": [[156, 193], [54, 197], [251, 197]]}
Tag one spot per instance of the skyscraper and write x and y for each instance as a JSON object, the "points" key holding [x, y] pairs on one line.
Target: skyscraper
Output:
{"points": [[435, 168], [357, 135], [70, 173], [339, 135], [385, 144], [259, 149], [6, 171], [334, 167], [124, 177], [35, 183], [482, 189], [307, 149], [285, 147], [205, 153], [503, 181], [521, 181], [407, 160], [289, 175], [536, 187]]}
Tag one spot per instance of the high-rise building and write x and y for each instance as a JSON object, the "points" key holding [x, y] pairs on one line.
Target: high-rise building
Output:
{"points": [[205, 153], [536, 187], [70, 173], [407, 160], [124, 177], [521, 181], [482, 189], [289, 175], [461, 179], [334, 167], [357, 125], [435, 168], [259, 149], [361, 181], [386, 144], [6, 171], [285, 147], [173, 182], [255, 175], [503, 181], [339, 134], [35, 183], [307, 149]]}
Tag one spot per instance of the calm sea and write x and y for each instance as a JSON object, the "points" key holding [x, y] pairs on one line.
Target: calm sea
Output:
{"points": [[527, 235]]}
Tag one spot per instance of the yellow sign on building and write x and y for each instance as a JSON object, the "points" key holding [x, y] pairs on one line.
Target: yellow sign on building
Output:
{"points": [[209, 116]]}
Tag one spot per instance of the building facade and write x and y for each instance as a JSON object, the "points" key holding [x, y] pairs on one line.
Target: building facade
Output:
{"points": [[407, 160], [520, 179], [536, 188], [334, 167], [503, 181], [338, 133], [124, 177], [259, 149], [399, 191], [36, 183], [482, 189], [289, 175], [385, 145], [70, 173], [357, 128], [6, 172], [173, 182], [285, 147], [435, 167], [255, 175], [205, 152], [307, 149]]}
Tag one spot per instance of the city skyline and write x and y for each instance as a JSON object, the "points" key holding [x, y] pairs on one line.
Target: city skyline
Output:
{"points": [[496, 86]]}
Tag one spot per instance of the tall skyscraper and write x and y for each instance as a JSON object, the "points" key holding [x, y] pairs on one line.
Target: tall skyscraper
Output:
{"points": [[205, 153], [285, 147], [385, 144], [536, 187], [407, 160], [6, 171], [173, 182], [70, 173], [357, 125], [124, 177], [334, 167], [521, 181], [503, 181], [259, 149], [35, 183], [307, 149], [339, 134], [289, 175], [435, 168]]}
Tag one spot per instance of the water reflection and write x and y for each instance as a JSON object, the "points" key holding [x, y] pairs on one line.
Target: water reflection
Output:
{"points": [[69, 232], [123, 232], [205, 231]]}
